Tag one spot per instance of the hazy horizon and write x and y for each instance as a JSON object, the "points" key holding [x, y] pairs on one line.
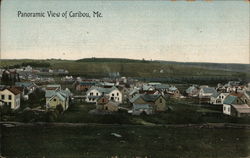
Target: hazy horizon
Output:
{"points": [[211, 32]]}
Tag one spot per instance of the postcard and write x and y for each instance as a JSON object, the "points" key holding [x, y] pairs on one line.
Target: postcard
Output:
{"points": [[125, 79]]}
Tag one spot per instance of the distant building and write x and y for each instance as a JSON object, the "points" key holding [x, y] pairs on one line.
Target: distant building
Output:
{"points": [[56, 96], [94, 93], [237, 110], [157, 102], [218, 98], [139, 109]]}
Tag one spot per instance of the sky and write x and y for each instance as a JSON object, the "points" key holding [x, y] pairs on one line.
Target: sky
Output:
{"points": [[200, 31]]}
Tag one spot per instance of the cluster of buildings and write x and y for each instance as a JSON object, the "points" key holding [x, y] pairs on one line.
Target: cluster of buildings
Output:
{"points": [[29, 73], [115, 92], [234, 97]]}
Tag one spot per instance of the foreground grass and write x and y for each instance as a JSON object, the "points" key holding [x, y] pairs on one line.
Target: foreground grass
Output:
{"points": [[98, 142]]}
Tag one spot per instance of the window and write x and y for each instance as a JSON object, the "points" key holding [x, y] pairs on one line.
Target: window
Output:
{"points": [[3, 97], [224, 108], [10, 97], [91, 93], [117, 94], [118, 99], [55, 99], [112, 98], [97, 94], [113, 94], [160, 100]]}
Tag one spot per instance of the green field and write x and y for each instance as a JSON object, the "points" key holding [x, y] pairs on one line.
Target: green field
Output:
{"points": [[183, 112], [136, 68], [140, 142]]}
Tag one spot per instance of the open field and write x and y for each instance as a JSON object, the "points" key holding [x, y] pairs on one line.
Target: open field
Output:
{"points": [[98, 142], [141, 69], [184, 112]]}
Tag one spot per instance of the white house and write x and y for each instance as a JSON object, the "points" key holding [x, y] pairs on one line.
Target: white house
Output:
{"points": [[94, 93], [237, 110], [11, 97], [206, 92], [218, 98]]}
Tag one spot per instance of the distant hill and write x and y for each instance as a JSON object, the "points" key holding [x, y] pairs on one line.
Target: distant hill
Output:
{"points": [[215, 66], [121, 60]]}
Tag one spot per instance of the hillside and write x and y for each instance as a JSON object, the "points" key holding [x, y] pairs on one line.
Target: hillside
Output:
{"points": [[155, 70]]}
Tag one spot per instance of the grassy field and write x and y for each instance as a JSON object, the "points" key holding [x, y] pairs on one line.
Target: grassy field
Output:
{"points": [[146, 69], [184, 112], [136, 142]]}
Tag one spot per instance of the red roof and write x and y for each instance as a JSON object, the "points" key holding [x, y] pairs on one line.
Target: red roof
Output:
{"points": [[14, 90]]}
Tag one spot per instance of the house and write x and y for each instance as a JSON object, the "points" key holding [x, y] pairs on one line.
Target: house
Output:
{"points": [[11, 97], [133, 92], [29, 86], [206, 92], [147, 89], [218, 98], [28, 68], [10, 76], [58, 97], [85, 85], [142, 108], [101, 101], [157, 102], [229, 100], [162, 87], [246, 97], [237, 110], [173, 92], [192, 91], [112, 93], [111, 106]]}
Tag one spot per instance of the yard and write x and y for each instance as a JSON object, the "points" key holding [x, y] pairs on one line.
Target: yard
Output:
{"points": [[139, 142], [183, 112]]}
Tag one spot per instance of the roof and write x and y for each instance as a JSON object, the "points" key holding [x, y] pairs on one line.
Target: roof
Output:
{"points": [[215, 95], [134, 90], [141, 106], [87, 83], [173, 88], [237, 94], [209, 90], [135, 98], [190, 89], [150, 97], [244, 108], [49, 93], [146, 87], [24, 84], [102, 90], [230, 99], [60, 96], [146, 97], [154, 83], [13, 90], [66, 92], [161, 86]]}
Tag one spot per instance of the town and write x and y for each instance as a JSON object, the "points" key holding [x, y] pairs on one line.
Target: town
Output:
{"points": [[42, 94]]}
